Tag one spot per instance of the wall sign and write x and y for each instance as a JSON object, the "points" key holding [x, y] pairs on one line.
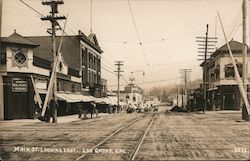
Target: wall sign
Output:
{"points": [[19, 85]]}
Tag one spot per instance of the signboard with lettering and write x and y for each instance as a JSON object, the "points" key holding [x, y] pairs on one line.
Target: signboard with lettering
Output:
{"points": [[19, 85]]}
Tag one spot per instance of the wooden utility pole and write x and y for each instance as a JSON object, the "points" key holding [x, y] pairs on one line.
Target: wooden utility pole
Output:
{"points": [[1, 12], [208, 44], [205, 74], [53, 19], [177, 95], [245, 112], [244, 43], [246, 108], [185, 78], [119, 71], [182, 98]]}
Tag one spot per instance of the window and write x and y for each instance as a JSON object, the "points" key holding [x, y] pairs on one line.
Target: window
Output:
{"points": [[229, 70], [240, 68], [217, 72], [61, 86], [73, 87], [20, 58]]}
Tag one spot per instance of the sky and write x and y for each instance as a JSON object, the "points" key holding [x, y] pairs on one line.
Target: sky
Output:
{"points": [[157, 37]]}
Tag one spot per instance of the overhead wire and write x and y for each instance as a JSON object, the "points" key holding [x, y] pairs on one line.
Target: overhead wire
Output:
{"points": [[125, 80], [41, 28], [139, 83], [108, 70], [32, 8], [236, 21], [139, 39], [137, 32]]}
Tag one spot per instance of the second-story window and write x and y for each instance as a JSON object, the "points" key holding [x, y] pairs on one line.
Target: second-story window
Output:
{"points": [[217, 72], [240, 68], [229, 71]]}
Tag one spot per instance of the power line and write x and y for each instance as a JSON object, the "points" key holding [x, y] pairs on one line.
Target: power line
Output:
{"points": [[32, 8], [164, 80], [236, 21], [125, 80], [107, 70], [133, 18], [111, 68], [137, 32]]}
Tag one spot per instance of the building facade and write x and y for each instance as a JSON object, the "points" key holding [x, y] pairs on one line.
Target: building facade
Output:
{"points": [[222, 88], [132, 95], [25, 57]]}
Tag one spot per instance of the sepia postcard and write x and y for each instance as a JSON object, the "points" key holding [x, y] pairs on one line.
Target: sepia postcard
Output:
{"points": [[124, 80]]}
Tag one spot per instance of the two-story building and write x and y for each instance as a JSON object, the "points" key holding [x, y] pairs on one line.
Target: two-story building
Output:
{"points": [[132, 95], [78, 72], [223, 92], [82, 53]]}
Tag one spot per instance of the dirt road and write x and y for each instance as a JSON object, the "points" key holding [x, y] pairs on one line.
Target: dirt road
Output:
{"points": [[172, 136]]}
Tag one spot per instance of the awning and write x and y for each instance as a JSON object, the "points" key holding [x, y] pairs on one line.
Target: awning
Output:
{"points": [[71, 98], [65, 97], [103, 100], [113, 100]]}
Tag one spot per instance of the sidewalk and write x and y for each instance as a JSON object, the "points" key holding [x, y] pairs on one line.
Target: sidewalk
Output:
{"points": [[72, 118], [60, 119]]}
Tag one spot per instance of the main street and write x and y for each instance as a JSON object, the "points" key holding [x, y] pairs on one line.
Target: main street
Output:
{"points": [[140, 136]]}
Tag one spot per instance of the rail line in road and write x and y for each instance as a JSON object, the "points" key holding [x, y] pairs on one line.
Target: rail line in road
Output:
{"points": [[122, 131], [141, 140]]}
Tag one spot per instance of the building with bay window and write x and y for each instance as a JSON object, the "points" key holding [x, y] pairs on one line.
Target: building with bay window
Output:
{"points": [[222, 88]]}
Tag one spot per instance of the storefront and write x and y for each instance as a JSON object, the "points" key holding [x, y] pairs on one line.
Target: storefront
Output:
{"points": [[18, 97]]}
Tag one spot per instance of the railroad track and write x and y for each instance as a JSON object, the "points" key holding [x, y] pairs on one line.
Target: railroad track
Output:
{"points": [[123, 131]]}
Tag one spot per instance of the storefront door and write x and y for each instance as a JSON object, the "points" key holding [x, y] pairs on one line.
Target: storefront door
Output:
{"points": [[229, 101]]}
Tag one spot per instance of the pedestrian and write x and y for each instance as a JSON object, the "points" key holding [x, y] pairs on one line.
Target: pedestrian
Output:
{"points": [[92, 108], [80, 109], [96, 110]]}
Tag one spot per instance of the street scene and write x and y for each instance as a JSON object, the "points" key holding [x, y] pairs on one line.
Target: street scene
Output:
{"points": [[171, 136], [124, 80]]}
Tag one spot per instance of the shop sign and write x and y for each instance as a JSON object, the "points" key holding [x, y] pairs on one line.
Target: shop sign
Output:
{"points": [[19, 85]]}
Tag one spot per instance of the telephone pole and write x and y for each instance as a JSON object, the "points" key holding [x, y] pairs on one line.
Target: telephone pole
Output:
{"points": [[245, 114], [53, 19], [1, 12], [244, 43], [118, 71], [208, 44], [185, 78]]}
